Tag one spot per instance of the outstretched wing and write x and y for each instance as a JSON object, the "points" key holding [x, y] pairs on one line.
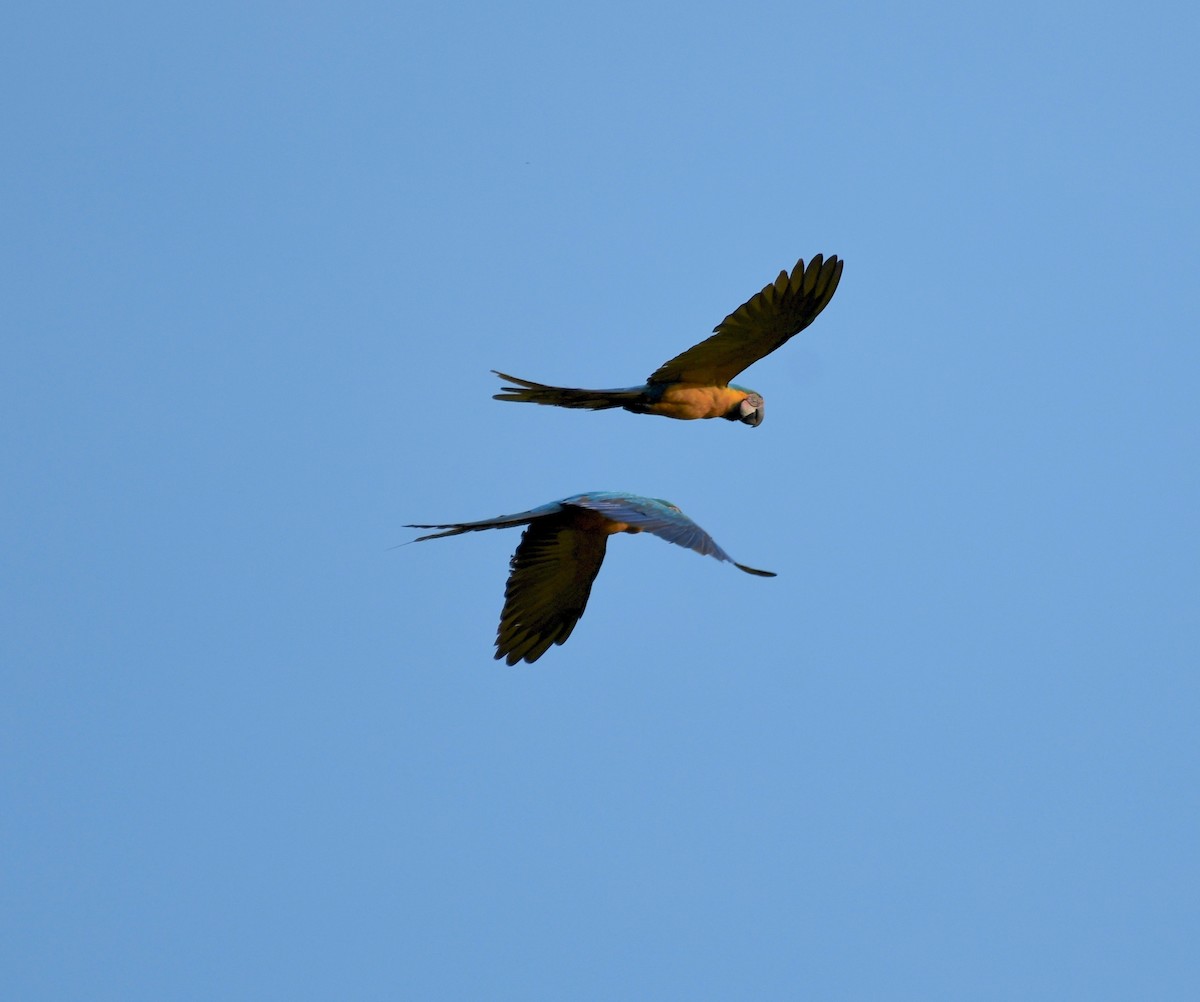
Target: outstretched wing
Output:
{"points": [[661, 518], [552, 574], [758, 326]]}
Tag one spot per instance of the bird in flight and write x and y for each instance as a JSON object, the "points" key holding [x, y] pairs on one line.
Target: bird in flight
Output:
{"points": [[560, 554], [696, 383]]}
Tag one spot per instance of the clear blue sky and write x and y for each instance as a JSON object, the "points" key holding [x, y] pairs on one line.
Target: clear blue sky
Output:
{"points": [[258, 261]]}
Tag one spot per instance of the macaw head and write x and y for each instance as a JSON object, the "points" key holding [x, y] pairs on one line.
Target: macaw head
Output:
{"points": [[751, 410]]}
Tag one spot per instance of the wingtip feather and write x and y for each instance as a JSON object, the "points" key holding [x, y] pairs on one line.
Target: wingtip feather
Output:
{"points": [[755, 571]]}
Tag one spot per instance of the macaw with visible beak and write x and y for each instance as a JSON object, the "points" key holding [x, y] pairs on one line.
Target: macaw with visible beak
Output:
{"points": [[559, 557], [696, 384]]}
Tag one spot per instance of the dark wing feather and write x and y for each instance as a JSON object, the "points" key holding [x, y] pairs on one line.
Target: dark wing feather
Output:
{"points": [[758, 326], [551, 578]]}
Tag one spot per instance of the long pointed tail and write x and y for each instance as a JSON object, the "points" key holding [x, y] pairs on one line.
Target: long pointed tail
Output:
{"points": [[528, 392], [499, 522], [456, 528]]}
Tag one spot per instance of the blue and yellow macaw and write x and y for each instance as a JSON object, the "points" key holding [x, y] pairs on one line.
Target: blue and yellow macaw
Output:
{"points": [[697, 384], [560, 554]]}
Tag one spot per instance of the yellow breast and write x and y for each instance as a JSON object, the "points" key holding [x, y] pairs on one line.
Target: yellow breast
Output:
{"points": [[691, 401]]}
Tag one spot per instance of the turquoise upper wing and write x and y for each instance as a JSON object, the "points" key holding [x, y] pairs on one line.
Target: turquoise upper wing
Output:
{"points": [[757, 327], [661, 518]]}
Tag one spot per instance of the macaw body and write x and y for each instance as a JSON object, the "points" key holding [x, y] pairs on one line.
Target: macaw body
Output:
{"points": [[560, 554], [683, 401], [696, 384]]}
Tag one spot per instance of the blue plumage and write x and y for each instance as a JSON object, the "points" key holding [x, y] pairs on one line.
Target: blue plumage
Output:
{"points": [[560, 554]]}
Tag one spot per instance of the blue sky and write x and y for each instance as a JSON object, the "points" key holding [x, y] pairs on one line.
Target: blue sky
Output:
{"points": [[258, 263]]}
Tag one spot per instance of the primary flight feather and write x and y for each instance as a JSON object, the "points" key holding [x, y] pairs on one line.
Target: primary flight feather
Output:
{"points": [[696, 383], [560, 554]]}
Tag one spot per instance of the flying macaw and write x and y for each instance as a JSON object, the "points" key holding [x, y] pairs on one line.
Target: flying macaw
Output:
{"points": [[560, 554], [696, 384]]}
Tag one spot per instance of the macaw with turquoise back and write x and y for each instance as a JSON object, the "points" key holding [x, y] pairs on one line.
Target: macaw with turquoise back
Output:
{"points": [[560, 554]]}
